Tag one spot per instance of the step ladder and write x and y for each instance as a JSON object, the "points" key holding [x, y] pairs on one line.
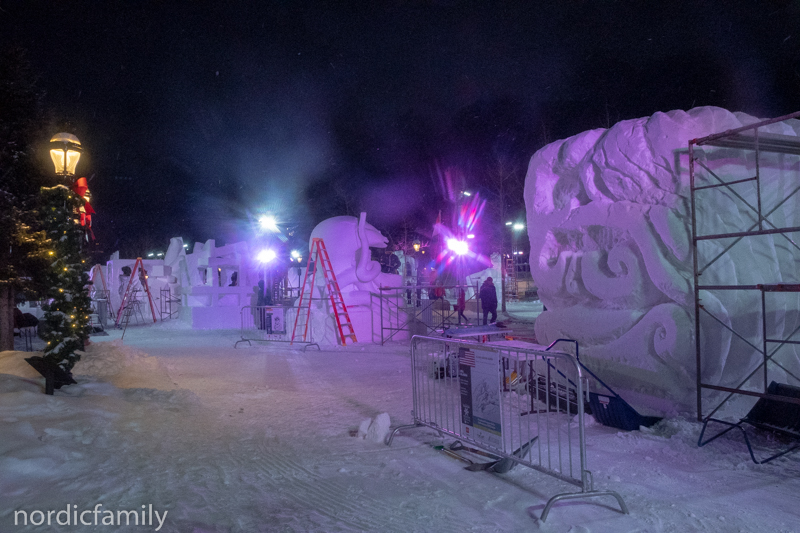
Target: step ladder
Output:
{"points": [[318, 260], [511, 279], [130, 291]]}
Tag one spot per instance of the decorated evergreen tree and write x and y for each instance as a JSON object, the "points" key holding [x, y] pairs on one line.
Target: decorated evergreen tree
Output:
{"points": [[66, 319], [22, 246]]}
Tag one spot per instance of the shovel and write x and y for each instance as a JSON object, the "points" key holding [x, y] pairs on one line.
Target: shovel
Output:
{"points": [[457, 445], [502, 466]]}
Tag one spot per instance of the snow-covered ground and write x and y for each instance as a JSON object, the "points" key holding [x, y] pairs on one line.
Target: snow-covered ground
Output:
{"points": [[265, 438]]}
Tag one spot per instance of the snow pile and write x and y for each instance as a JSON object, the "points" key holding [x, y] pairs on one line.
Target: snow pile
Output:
{"points": [[609, 224], [123, 366], [14, 363], [375, 430]]}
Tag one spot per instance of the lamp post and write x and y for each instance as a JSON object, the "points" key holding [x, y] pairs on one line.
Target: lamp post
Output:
{"points": [[511, 277], [517, 227], [65, 151], [67, 312]]}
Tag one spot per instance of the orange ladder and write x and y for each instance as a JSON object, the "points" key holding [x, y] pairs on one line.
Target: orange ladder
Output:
{"points": [[138, 265], [318, 256]]}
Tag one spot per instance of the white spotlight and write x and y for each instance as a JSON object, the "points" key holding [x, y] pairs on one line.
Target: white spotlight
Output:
{"points": [[266, 256], [267, 222]]}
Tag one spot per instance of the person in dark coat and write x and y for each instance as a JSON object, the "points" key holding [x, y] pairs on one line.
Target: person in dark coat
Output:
{"points": [[261, 302], [461, 305], [488, 295]]}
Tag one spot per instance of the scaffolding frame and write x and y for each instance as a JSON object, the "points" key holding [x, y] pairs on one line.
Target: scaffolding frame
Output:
{"points": [[750, 140]]}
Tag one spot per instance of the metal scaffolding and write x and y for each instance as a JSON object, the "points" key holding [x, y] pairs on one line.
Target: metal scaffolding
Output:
{"points": [[756, 169]]}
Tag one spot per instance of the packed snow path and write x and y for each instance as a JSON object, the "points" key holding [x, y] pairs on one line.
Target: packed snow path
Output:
{"points": [[262, 439]]}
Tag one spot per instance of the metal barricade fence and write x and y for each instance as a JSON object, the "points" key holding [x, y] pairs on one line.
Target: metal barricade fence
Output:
{"points": [[405, 307], [524, 405], [268, 324]]}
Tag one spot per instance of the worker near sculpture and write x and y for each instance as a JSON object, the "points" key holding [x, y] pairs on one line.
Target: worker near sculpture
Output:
{"points": [[488, 295]]}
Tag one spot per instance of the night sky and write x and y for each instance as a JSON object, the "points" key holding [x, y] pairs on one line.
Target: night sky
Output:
{"points": [[197, 116]]}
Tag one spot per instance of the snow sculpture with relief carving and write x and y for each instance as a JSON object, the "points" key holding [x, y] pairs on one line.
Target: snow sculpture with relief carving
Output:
{"points": [[609, 221], [348, 241]]}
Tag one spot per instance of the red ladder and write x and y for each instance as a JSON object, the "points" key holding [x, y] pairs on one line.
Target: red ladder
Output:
{"points": [[138, 265], [318, 256]]}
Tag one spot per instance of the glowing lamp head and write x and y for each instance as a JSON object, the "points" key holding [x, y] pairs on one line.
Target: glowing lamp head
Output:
{"points": [[266, 256], [65, 151], [295, 254], [457, 247], [518, 226], [268, 223], [417, 245]]}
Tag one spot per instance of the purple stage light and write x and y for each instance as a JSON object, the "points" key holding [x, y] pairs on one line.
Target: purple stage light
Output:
{"points": [[458, 247]]}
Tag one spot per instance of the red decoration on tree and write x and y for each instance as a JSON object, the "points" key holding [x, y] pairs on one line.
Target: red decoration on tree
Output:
{"points": [[81, 188]]}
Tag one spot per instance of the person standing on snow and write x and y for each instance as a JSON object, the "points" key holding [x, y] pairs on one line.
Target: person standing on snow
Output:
{"points": [[261, 302], [488, 295], [461, 305]]}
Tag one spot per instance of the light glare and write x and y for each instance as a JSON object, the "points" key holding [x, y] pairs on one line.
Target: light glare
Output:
{"points": [[268, 222], [266, 256], [458, 247]]}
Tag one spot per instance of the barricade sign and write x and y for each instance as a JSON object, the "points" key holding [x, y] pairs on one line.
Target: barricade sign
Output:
{"points": [[525, 406]]}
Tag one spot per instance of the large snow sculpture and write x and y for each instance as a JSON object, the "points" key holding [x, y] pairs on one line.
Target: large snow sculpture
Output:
{"points": [[348, 241], [609, 223]]}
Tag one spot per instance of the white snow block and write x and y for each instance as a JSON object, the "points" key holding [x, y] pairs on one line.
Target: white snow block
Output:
{"points": [[160, 271], [375, 430]]}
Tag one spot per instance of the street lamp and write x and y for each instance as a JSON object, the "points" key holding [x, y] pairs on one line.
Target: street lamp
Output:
{"points": [[516, 228], [509, 268], [65, 151]]}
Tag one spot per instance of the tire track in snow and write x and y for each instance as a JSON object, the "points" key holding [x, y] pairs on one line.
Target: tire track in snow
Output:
{"points": [[296, 494], [359, 511], [296, 482]]}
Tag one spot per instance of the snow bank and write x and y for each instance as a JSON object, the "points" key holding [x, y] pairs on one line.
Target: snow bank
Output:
{"points": [[123, 366]]}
